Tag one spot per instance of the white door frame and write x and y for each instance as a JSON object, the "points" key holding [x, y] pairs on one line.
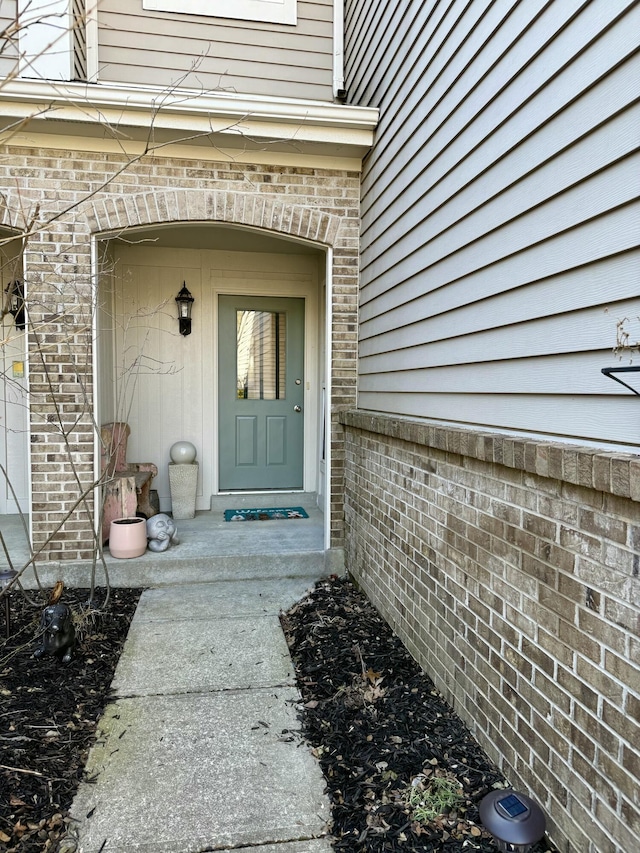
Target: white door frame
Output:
{"points": [[328, 391]]}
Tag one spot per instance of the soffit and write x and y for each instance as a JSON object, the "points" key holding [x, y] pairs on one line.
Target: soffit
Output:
{"points": [[126, 115]]}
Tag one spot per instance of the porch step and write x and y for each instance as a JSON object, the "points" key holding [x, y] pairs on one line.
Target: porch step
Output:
{"points": [[158, 570], [210, 549]]}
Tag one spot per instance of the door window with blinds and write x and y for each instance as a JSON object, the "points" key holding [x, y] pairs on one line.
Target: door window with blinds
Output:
{"points": [[261, 340]]}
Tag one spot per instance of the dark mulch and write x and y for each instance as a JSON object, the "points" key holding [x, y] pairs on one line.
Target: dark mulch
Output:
{"points": [[49, 711], [374, 720], [376, 723]]}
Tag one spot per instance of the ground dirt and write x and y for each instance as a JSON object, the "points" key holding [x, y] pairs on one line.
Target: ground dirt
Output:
{"points": [[49, 711], [382, 732], [373, 719]]}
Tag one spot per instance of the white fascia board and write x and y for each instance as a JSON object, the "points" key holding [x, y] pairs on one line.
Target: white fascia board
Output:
{"points": [[182, 108]]}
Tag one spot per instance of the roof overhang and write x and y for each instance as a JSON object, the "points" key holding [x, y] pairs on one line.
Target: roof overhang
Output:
{"points": [[129, 118]]}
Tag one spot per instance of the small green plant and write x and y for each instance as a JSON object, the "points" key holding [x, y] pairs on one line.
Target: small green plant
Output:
{"points": [[430, 798]]}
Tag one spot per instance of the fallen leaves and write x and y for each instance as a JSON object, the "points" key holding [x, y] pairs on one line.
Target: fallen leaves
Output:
{"points": [[375, 721]]}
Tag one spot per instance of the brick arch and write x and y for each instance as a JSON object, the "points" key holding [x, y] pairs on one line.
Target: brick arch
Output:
{"points": [[222, 206]]}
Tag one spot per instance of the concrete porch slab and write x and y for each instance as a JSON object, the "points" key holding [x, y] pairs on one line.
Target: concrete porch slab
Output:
{"points": [[181, 774], [210, 550]]}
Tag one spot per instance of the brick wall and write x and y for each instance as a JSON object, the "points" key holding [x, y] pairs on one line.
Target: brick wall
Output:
{"points": [[60, 200], [510, 570]]}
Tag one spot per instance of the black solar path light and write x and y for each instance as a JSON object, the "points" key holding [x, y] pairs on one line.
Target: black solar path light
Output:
{"points": [[516, 822]]}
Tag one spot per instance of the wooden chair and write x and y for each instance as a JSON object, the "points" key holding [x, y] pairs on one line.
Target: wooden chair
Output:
{"points": [[126, 485]]}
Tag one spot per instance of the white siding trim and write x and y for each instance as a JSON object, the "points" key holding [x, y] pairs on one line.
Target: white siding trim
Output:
{"points": [[338, 46], [269, 11], [98, 413]]}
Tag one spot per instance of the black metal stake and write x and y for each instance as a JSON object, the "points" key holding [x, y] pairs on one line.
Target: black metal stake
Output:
{"points": [[7, 614], [6, 577]]}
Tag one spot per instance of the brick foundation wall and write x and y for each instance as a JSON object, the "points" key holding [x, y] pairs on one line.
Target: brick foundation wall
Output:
{"points": [[510, 570], [60, 200]]}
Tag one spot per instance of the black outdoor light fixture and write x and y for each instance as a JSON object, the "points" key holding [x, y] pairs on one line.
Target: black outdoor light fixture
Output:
{"points": [[185, 302], [516, 822], [15, 292]]}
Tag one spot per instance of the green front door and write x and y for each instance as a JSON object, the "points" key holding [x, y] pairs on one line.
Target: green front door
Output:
{"points": [[261, 392]]}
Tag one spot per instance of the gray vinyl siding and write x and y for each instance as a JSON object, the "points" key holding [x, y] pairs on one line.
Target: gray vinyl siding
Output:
{"points": [[500, 216], [9, 40], [195, 52]]}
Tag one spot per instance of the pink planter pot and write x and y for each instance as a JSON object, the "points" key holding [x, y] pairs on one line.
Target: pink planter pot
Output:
{"points": [[128, 538]]}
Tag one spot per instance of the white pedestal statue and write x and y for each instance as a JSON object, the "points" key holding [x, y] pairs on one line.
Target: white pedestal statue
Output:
{"points": [[183, 479]]}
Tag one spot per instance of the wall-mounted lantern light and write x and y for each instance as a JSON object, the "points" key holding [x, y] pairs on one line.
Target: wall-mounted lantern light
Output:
{"points": [[15, 292], [185, 302], [516, 822]]}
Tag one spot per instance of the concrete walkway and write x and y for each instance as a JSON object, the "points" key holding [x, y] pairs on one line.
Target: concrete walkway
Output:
{"points": [[200, 749]]}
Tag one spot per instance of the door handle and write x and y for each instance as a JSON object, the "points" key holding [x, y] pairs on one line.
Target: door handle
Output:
{"points": [[297, 408]]}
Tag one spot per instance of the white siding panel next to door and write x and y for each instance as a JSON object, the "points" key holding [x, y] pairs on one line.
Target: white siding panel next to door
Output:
{"points": [[201, 52], [499, 217], [158, 372]]}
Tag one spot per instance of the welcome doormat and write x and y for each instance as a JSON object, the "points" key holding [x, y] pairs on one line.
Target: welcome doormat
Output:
{"points": [[260, 514]]}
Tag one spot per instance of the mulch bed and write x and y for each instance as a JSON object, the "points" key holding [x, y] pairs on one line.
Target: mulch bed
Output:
{"points": [[377, 724], [49, 711], [374, 720]]}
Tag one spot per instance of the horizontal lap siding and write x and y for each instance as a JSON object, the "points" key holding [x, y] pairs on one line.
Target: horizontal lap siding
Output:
{"points": [[500, 232], [9, 39], [193, 51]]}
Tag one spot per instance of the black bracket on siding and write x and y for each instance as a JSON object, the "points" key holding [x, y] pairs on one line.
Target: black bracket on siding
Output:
{"points": [[609, 371]]}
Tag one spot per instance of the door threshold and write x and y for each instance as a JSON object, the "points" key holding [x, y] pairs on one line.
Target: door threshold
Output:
{"points": [[231, 500]]}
